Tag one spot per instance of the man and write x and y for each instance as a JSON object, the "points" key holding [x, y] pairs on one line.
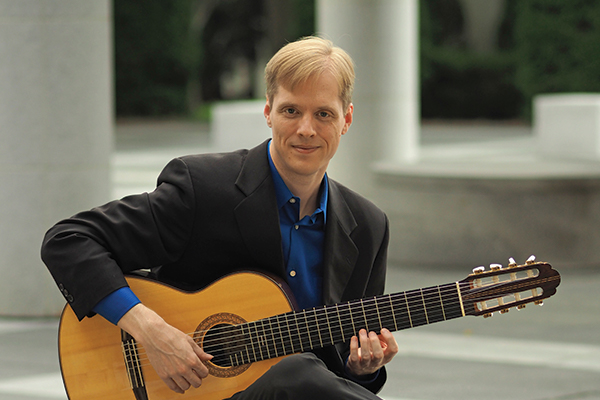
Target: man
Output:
{"points": [[271, 208]]}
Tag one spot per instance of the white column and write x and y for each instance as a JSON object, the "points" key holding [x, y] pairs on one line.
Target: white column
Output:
{"points": [[382, 38], [56, 123]]}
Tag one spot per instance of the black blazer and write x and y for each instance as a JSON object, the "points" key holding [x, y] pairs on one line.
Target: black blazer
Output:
{"points": [[211, 215]]}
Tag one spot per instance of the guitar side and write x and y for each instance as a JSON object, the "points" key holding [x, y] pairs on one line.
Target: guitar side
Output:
{"points": [[91, 357]]}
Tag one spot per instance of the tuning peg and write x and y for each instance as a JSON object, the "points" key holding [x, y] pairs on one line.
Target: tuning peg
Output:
{"points": [[520, 306], [504, 311], [530, 260], [512, 263], [488, 315], [495, 267], [539, 302], [478, 270]]}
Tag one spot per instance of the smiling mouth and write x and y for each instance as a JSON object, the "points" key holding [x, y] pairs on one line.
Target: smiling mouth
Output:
{"points": [[305, 146], [305, 149]]}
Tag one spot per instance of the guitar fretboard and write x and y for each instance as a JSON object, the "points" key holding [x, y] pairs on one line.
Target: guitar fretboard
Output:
{"points": [[299, 331]]}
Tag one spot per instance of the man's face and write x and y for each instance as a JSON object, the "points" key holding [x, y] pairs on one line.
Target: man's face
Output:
{"points": [[307, 125]]}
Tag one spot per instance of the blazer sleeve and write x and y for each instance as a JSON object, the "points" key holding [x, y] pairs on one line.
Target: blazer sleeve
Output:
{"points": [[88, 253]]}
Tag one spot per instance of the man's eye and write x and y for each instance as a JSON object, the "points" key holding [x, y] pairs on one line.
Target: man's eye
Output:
{"points": [[289, 111], [323, 114]]}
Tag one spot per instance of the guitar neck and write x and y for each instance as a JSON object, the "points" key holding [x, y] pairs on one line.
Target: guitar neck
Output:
{"points": [[305, 330]]}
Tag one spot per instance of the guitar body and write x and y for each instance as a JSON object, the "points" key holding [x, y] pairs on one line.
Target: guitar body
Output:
{"points": [[91, 356]]}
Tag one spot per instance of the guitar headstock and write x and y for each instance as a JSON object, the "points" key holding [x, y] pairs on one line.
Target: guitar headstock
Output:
{"points": [[501, 288]]}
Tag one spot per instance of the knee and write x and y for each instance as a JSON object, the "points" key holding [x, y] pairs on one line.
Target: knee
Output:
{"points": [[297, 373]]}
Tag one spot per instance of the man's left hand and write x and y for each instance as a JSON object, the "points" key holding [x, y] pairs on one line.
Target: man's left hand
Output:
{"points": [[374, 352]]}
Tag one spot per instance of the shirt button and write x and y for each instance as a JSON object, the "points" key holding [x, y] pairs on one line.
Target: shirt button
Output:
{"points": [[292, 273], [296, 227], [292, 200]]}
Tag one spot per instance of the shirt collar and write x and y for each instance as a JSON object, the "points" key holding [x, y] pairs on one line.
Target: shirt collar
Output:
{"points": [[283, 193]]}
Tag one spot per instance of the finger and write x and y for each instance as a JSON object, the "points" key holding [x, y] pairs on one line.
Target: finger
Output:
{"points": [[182, 383], [354, 356], [365, 346], [173, 385], [392, 347], [389, 339], [199, 367]]}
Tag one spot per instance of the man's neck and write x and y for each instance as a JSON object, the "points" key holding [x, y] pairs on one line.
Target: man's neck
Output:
{"points": [[307, 189]]}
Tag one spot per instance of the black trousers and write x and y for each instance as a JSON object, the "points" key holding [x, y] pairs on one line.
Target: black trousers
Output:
{"points": [[300, 377]]}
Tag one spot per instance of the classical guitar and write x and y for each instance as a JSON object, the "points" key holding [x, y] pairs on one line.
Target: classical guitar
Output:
{"points": [[247, 322]]}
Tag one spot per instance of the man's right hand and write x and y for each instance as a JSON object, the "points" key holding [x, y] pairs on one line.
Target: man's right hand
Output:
{"points": [[175, 357]]}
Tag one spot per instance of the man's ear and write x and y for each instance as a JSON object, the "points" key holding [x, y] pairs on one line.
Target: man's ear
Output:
{"points": [[348, 118], [267, 113]]}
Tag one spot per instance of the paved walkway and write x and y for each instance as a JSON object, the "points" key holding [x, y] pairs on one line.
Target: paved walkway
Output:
{"points": [[539, 353]]}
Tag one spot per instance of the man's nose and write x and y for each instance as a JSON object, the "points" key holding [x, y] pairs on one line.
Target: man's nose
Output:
{"points": [[307, 126]]}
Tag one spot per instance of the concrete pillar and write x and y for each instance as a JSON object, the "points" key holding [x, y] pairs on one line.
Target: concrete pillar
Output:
{"points": [[56, 124], [382, 38]]}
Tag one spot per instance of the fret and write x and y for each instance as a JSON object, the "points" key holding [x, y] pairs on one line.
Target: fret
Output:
{"points": [[364, 315], [318, 327], [441, 302], [273, 336], [328, 325], [424, 307], [417, 307], [354, 330], [265, 339], [392, 312], [337, 310], [376, 300], [408, 309], [298, 331], [283, 349]]}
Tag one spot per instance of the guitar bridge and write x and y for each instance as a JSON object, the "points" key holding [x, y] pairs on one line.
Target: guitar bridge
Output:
{"points": [[133, 366]]}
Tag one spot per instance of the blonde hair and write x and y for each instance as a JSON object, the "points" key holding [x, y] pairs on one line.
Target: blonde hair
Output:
{"points": [[310, 56]]}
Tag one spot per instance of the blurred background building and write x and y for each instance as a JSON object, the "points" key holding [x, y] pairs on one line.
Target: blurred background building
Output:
{"points": [[454, 160]]}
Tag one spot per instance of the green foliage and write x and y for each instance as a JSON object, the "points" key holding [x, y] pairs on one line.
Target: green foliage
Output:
{"points": [[154, 56], [465, 85], [457, 83], [558, 46]]}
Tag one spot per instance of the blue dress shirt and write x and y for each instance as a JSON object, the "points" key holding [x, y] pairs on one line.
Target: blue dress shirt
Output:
{"points": [[302, 241]]}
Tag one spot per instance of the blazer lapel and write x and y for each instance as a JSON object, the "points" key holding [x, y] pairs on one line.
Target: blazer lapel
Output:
{"points": [[256, 214], [340, 253]]}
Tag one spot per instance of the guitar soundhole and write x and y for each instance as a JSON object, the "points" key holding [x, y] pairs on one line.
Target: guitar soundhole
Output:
{"points": [[220, 336]]}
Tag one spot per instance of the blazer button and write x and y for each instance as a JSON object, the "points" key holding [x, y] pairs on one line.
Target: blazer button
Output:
{"points": [[69, 298]]}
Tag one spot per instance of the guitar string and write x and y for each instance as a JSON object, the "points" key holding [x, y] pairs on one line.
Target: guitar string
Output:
{"points": [[306, 318]]}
